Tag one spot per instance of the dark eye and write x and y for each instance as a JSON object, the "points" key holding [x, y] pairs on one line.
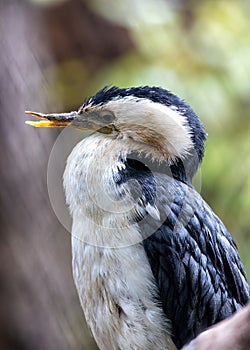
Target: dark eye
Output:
{"points": [[107, 117]]}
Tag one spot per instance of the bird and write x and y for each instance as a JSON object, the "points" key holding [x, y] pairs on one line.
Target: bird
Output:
{"points": [[153, 265]]}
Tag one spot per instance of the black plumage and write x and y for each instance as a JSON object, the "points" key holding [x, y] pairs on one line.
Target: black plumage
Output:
{"points": [[193, 258]]}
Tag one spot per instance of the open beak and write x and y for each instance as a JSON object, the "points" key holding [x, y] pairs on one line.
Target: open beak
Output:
{"points": [[83, 121], [53, 120]]}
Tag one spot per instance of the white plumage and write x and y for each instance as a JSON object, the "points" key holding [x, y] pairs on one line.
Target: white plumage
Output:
{"points": [[111, 271]]}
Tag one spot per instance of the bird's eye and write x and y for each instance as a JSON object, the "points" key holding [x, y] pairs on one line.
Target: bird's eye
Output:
{"points": [[106, 117]]}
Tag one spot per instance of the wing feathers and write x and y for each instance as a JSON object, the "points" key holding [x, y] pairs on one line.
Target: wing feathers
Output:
{"points": [[200, 276]]}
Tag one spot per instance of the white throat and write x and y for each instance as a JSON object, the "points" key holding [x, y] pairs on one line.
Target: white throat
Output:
{"points": [[93, 196], [112, 274]]}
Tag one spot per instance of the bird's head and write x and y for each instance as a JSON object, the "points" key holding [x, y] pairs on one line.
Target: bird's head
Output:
{"points": [[146, 120]]}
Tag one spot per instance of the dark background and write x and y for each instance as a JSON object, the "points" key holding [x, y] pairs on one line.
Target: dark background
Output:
{"points": [[56, 53]]}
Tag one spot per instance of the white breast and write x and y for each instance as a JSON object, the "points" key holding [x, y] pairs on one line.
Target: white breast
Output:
{"points": [[114, 281]]}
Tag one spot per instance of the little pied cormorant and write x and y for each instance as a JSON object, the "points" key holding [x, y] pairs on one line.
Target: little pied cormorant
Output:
{"points": [[153, 265]]}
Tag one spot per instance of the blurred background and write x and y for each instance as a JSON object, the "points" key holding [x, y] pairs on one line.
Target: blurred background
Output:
{"points": [[55, 53]]}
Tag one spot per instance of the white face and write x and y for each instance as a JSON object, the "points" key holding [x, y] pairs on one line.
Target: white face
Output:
{"points": [[157, 129]]}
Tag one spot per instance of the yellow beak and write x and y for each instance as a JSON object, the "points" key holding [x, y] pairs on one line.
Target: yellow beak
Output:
{"points": [[52, 120], [73, 119]]}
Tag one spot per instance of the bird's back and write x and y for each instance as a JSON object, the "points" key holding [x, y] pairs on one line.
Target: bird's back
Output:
{"points": [[195, 262]]}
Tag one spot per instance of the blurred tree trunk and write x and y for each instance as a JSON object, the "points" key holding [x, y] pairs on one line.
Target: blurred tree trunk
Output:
{"points": [[39, 305]]}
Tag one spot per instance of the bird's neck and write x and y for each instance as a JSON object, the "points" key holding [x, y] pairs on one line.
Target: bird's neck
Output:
{"points": [[105, 185], [97, 203]]}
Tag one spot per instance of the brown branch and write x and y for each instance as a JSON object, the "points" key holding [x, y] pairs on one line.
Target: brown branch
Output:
{"points": [[230, 334]]}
